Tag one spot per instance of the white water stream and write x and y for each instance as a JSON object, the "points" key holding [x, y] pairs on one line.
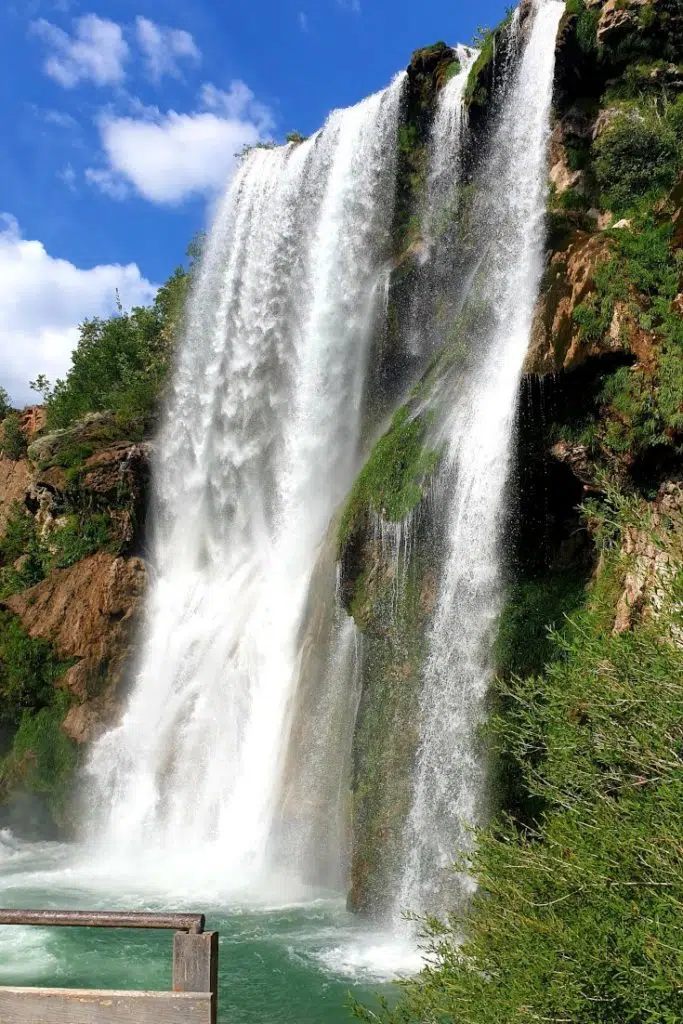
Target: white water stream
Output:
{"points": [[450, 786], [259, 448]]}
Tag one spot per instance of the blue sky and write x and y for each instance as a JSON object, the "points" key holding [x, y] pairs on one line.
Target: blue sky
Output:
{"points": [[120, 121]]}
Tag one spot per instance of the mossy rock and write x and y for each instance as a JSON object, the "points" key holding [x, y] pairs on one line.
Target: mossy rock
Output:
{"points": [[392, 482], [71, 447]]}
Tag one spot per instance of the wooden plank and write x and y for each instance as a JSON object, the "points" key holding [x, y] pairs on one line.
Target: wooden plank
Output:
{"points": [[195, 964], [103, 919], [74, 1006]]}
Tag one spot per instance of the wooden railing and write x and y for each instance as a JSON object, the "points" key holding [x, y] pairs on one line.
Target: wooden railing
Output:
{"points": [[195, 976]]}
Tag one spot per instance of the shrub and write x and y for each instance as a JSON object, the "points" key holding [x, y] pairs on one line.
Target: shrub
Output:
{"points": [[79, 537], [19, 536], [572, 199], [121, 364], [12, 439], [42, 757], [5, 404], [636, 157], [29, 670]]}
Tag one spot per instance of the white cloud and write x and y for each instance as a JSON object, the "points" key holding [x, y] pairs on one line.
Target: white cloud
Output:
{"points": [[68, 176], [169, 157], [97, 52], [350, 5], [43, 300], [164, 47], [303, 21]]}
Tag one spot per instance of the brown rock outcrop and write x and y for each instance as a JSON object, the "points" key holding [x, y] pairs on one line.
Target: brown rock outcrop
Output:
{"points": [[655, 553], [618, 17], [15, 479], [555, 341], [90, 612], [33, 419]]}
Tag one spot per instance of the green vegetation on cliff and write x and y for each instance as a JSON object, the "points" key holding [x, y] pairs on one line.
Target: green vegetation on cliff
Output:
{"points": [[578, 912], [39, 758], [121, 364], [12, 440], [580, 874], [638, 408], [639, 154], [392, 481]]}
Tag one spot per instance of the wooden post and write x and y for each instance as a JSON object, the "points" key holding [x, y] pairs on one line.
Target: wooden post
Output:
{"points": [[195, 964]]}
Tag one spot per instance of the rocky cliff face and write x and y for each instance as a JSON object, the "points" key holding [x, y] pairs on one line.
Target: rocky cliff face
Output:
{"points": [[72, 518], [600, 416]]}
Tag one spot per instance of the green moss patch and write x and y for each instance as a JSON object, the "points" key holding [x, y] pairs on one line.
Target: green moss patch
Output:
{"points": [[392, 481]]}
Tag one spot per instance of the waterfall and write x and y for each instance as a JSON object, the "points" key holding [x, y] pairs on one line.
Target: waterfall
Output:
{"points": [[445, 156], [259, 447], [450, 780], [433, 302]]}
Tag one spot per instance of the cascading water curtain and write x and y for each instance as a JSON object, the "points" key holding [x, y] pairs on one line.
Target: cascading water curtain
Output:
{"points": [[259, 446], [450, 788]]}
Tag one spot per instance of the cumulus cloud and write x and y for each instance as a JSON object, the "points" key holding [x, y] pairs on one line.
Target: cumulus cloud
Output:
{"points": [[96, 52], [42, 301], [169, 157], [164, 47]]}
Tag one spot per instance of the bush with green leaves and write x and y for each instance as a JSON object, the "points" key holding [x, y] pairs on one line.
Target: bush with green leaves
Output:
{"points": [[79, 536], [639, 407], [43, 757], [122, 363], [5, 404], [578, 911], [586, 25], [29, 670], [12, 438], [638, 156]]}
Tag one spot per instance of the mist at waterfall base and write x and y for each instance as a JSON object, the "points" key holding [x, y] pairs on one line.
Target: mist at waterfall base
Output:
{"points": [[223, 788], [279, 961]]}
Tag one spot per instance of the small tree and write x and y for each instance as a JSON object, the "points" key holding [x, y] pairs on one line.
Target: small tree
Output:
{"points": [[12, 439], [5, 404], [42, 385]]}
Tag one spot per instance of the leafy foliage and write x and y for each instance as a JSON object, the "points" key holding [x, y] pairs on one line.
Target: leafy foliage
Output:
{"points": [[42, 757], [5, 403], [578, 912], [29, 670], [78, 537], [12, 438], [20, 541], [641, 407], [586, 25], [533, 606], [79, 533], [121, 364], [638, 155]]}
